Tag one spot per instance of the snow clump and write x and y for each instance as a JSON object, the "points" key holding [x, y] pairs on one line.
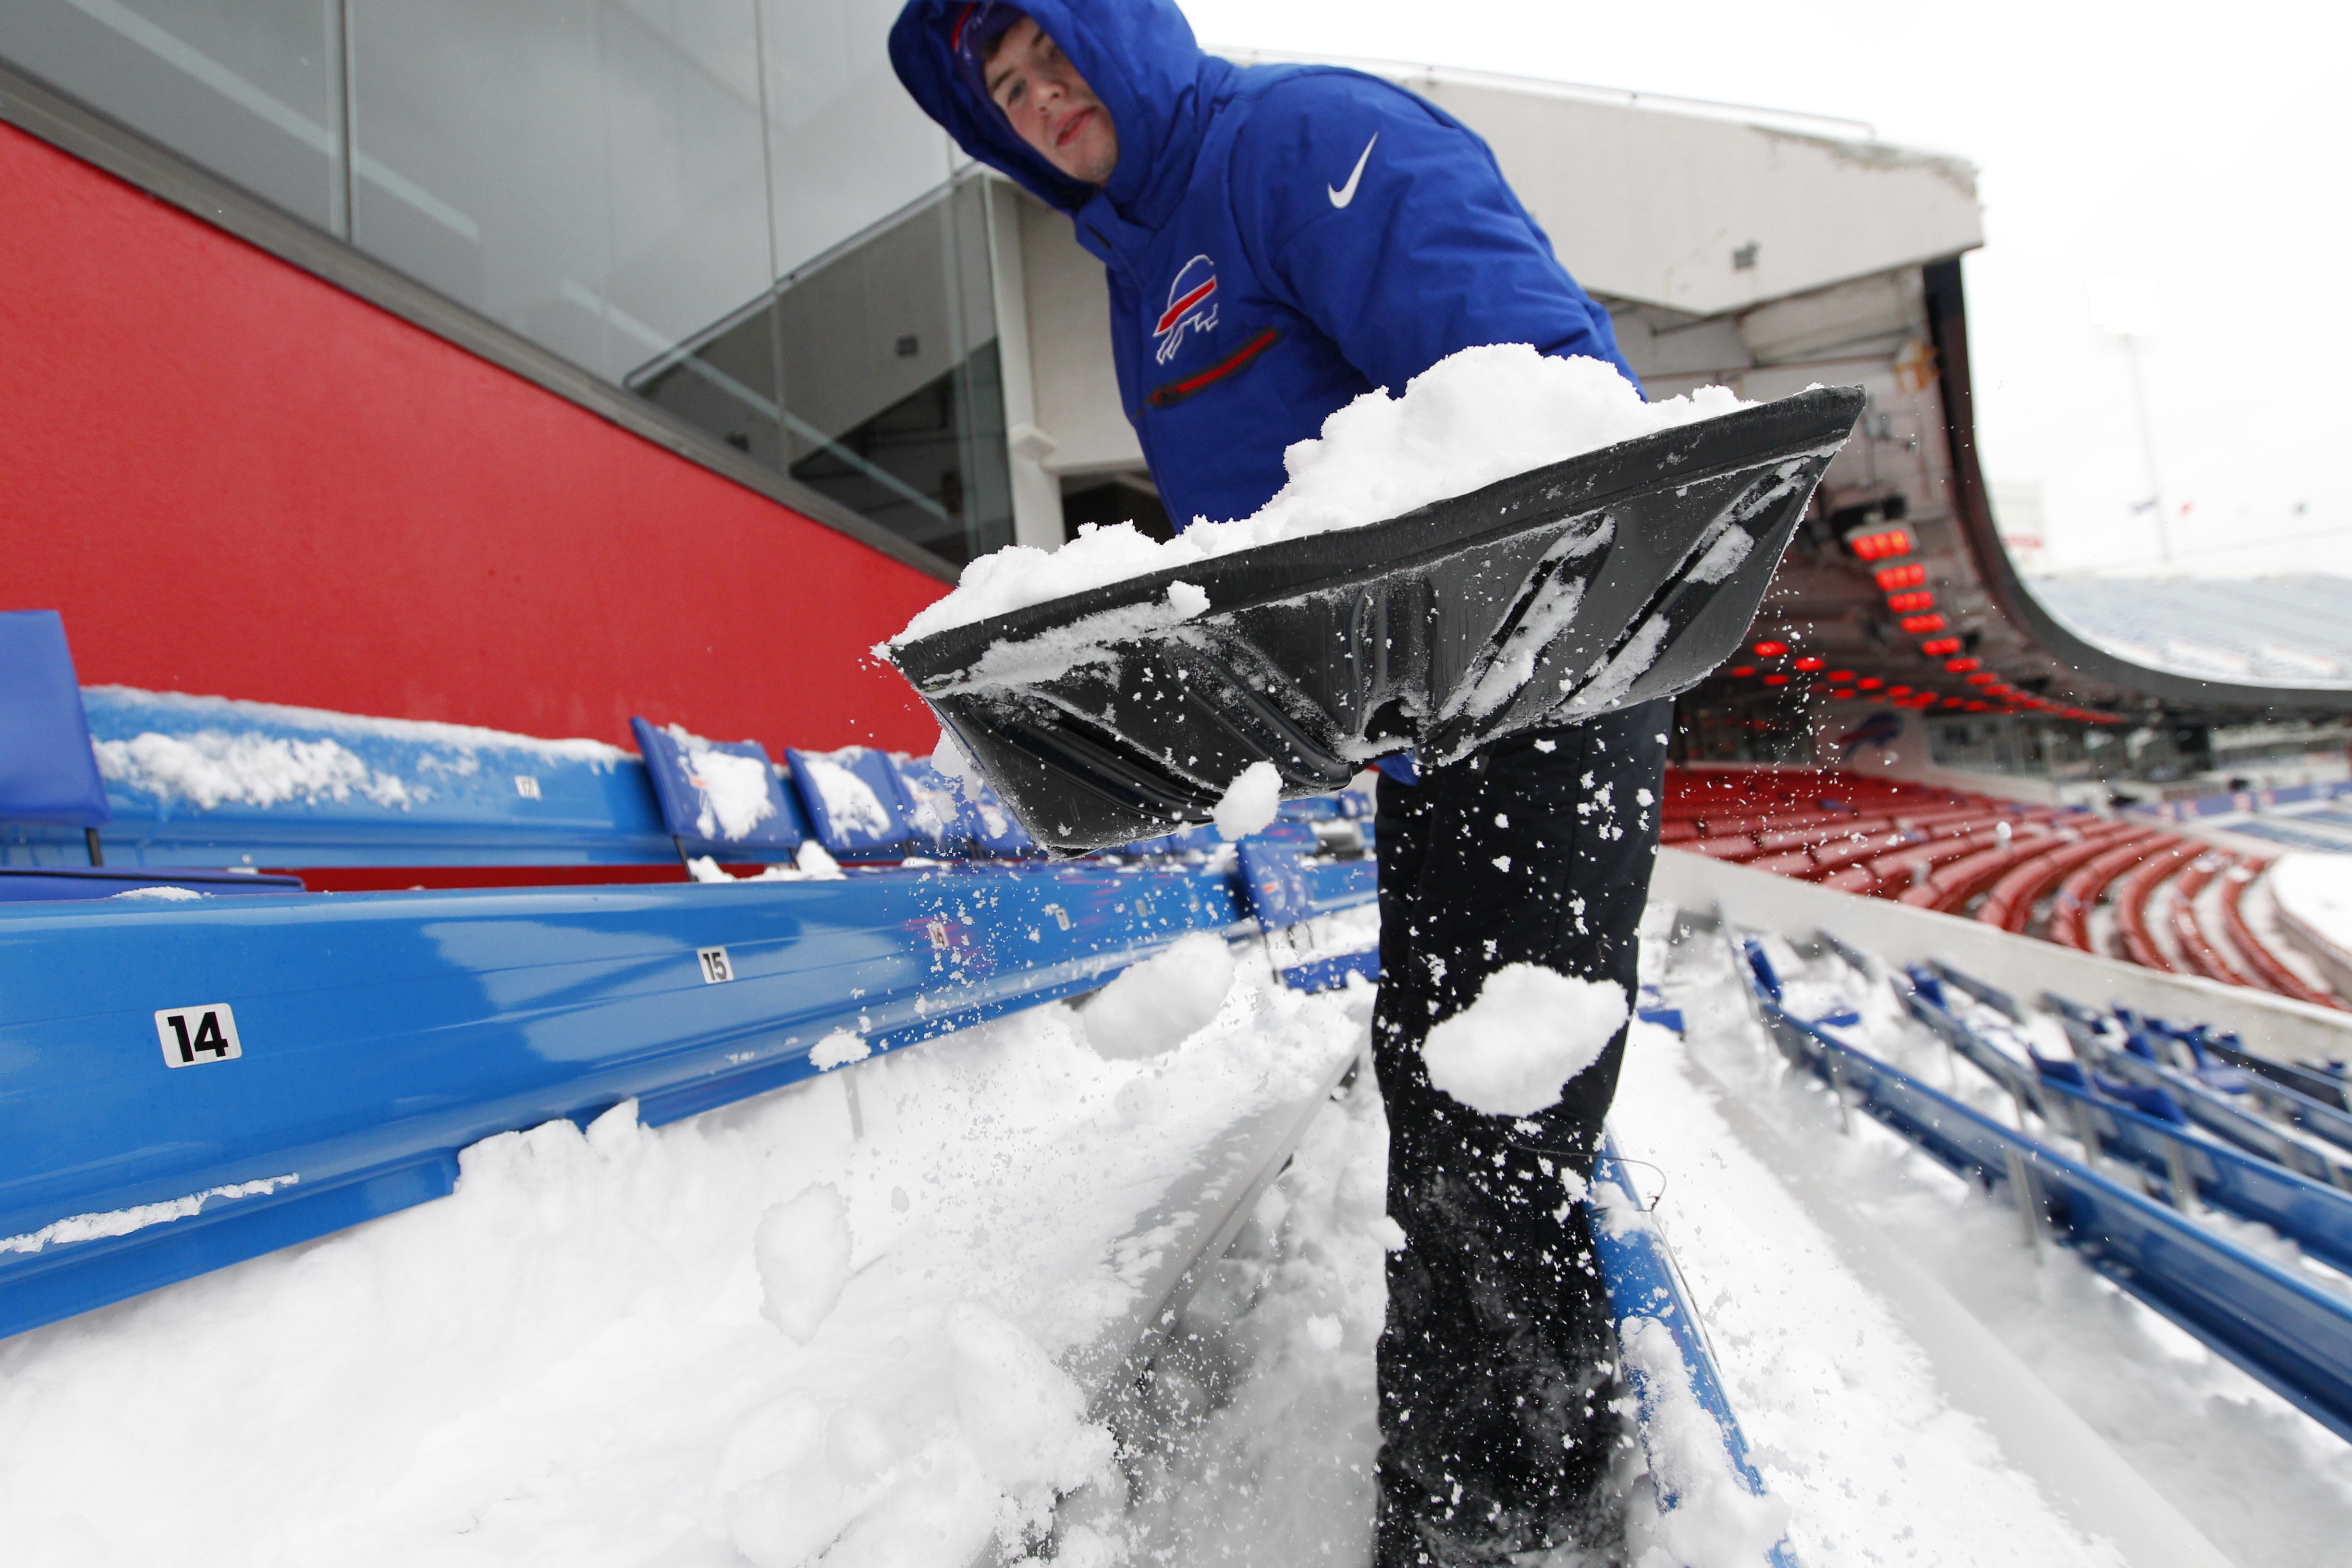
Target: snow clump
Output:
{"points": [[1532, 1029], [803, 1250], [1161, 1002], [735, 789], [1472, 419], [838, 1049], [1249, 803]]}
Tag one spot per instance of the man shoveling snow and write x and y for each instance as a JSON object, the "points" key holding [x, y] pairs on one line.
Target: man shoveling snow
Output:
{"points": [[1279, 242]]}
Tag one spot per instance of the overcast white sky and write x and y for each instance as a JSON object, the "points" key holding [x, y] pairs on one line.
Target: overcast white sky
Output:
{"points": [[2203, 148]]}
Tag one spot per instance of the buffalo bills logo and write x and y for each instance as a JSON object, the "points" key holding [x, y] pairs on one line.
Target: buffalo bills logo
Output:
{"points": [[1881, 729], [1192, 302]]}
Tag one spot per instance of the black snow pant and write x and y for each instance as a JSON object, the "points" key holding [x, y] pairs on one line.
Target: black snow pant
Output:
{"points": [[1496, 1370]]}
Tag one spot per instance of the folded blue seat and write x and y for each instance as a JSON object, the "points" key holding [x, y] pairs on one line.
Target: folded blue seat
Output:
{"points": [[1280, 894], [960, 817], [47, 772], [49, 775], [717, 796], [857, 808]]}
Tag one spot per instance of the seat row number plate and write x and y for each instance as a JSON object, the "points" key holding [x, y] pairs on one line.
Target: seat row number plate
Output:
{"points": [[715, 967], [193, 1035]]}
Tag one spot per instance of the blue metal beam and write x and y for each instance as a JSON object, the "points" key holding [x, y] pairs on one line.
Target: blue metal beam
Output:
{"points": [[376, 1035]]}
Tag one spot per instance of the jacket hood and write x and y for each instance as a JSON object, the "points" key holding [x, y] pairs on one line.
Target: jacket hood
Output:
{"points": [[1139, 56]]}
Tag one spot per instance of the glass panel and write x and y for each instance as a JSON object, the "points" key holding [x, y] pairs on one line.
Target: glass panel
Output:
{"points": [[249, 89], [623, 182], [480, 166], [931, 467], [847, 146], [894, 402], [689, 174]]}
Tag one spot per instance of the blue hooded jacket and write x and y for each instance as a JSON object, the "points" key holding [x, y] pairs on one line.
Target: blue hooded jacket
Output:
{"points": [[1280, 239]]}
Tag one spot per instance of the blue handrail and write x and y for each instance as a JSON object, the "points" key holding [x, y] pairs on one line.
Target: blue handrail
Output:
{"points": [[1643, 1283], [2283, 1330]]}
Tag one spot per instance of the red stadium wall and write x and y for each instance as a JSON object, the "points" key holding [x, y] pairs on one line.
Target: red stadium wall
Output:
{"points": [[235, 479]]}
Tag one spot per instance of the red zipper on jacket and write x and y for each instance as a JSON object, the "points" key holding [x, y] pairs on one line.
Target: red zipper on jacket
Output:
{"points": [[1176, 391]]}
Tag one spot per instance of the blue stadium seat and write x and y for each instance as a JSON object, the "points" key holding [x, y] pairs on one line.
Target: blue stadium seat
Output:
{"points": [[856, 805], [47, 772], [960, 817], [676, 763], [1276, 884], [1280, 892]]}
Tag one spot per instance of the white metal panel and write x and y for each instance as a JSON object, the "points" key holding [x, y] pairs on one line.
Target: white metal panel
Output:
{"points": [[1076, 398], [1660, 207]]}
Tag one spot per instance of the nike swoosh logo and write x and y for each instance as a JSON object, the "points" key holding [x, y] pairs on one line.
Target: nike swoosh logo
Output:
{"points": [[1342, 195]]}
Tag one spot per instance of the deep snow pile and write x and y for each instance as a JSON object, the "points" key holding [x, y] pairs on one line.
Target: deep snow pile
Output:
{"points": [[750, 1337], [1472, 419], [2315, 892]]}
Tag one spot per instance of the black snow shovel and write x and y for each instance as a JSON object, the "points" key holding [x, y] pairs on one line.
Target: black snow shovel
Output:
{"points": [[1572, 590]]}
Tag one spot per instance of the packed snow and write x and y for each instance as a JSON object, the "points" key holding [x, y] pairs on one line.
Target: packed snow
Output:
{"points": [[753, 1336], [211, 767], [82, 1227], [164, 895], [1716, 1522], [2315, 892], [835, 1321], [1249, 804], [803, 1250], [1891, 1467], [1160, 1002], [1512, 1050], [1472, 419]]}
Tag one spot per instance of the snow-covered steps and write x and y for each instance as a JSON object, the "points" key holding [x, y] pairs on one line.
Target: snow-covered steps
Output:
{"points": [[2281, 1328], [184, 1084]]}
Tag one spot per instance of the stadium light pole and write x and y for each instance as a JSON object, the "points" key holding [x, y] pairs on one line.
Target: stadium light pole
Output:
{"points": [[2129, 308]]}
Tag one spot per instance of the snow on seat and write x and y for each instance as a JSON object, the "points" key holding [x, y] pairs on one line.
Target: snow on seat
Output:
{"points": [[2010, 902], [2271, 971], [718, 795], [960, 817], [2080, 893], [1953, 884], [856, 805], [2135, 890], [2201, 948], [2085, 1163], [1827, 828], [1839, 855], [354, 802], [1908, 869]]}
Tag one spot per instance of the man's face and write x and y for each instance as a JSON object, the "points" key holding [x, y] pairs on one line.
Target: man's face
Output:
{"points": [[1050, 105]]}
